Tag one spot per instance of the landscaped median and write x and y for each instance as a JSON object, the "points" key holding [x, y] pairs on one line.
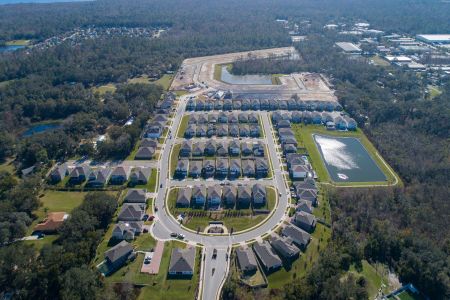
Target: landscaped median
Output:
{"points": [[197, 219], [304, 135]]}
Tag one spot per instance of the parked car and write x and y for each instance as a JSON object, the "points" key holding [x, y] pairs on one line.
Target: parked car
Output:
{"points": [[180, 236], [173, 234], [214, 256], [147, 260]]}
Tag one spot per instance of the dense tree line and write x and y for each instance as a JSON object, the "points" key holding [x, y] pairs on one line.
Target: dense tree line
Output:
{"points": [[61, 270]]}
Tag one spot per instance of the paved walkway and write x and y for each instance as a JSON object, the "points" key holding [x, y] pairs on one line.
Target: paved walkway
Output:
{"points": [[153, 266]]}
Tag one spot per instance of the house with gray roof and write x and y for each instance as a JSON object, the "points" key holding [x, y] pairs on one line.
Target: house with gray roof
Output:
{"points": [[181, 169], [190, 131], [184, 197], [182, 262], [190, 106], [298, 236], [222, 118], [244, 130], [212, 118], [210, 148], [305, 205], [135, 196], [261, 167], [58, 173], [259, 149], [199, 105], [202, 119], [233, 118], [259, 195], [305, 221], [195, 168], [218, 105], [237, 104], [209, 168], [289, 148], [284, 124], [99, 177], [244, 196], [127, 230], [264, 104], [117, 256], [227, 104], [229, 195], [193, 119], [276, 117], [233, 130], [198, 149], [199, 195], [79, 174], [296, 117], [234, 148], [235, 168], [248, 167], [269, 260], [214, 196], [201, 131], [120, 175], [306, 194], [294, 159], [222, 130], [247, 149], [185, 149], [211, 130], [243, 117], [292, 104], [222, 167], [140, 175], [255, 104], [222, 148], [245, 104], [273, 104], [131, 212], [298, 172], [254, 130], [145, 153], [282, 104], [246, 261], [284, 247], [253, 118]]}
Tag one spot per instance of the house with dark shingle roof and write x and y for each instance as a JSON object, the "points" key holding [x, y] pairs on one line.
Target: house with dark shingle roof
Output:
{"points": [[184, 197], [222, 148], [201, 130], [214, 196], [190, 106], [289, 148], [140, 175], [190, 131], [269, 260], [248, 167], [222, 167], [195, 168], [246, 261], [233, 118], [244, 197], [131, 212], [99, 177], [79, 174], [235, 168], [264, 104], [261, 167], [305, 205], [181, 169], [229, 195], [258, 149], [120, 175], [255, 104], [202, 119], [146, 153], [284, 248], [305, 221], [182, 262], [211, 130], [234, 148], [298, 171], [296, 117], [253, 118], [259, 195], [247, 149], [227, 104], [254, 130], [244, 130], [294, 159], [209, 168], [222, 130], [198, 149], [243, 117], [299, 237], [199, 105], [210, 148], [218, 105], [149, 143], [117, 256], [212, 118], [58, 173], [222, 118], [292, 104], [136, 196], [273, 104], [282, 104], [199, 195], [233, 130], [185, 149], [245, 104], [237, 104]]}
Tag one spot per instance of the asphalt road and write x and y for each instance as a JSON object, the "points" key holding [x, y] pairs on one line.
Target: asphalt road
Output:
{"points": [[166, 224]]}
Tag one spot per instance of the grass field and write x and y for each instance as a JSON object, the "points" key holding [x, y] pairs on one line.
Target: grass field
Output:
{"points": [[8, 166], [276, 79], [18, 43], [152, 182], [433, 91], [174, 158], [165, 81], [161, 287], [183, 126], [303, 134], [379, 61], [103, 89], [374, 279]]}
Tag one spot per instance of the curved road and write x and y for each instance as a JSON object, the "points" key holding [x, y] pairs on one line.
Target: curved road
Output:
{"points": [[212, 281]]}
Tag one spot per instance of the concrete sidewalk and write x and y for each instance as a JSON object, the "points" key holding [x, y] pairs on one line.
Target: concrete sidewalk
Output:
{"points": [[153, 266]]}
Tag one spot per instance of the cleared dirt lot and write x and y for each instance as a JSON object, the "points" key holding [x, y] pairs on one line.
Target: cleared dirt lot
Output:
{"points": [[200, 70]]}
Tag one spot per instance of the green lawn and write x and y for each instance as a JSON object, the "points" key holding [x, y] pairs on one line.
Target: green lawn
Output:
{"points": [[303, 134], [181, 93], [8, 166], [141, 79], [374, 280], [183, 126], [276, 79], [47, 240], [18, 43], [433, 91], [174, 158], [161, 287], [106, 88], [165, 81], [271, 198]]}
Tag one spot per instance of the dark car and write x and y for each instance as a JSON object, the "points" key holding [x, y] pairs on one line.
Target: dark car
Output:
{"points": [[173, 234]]}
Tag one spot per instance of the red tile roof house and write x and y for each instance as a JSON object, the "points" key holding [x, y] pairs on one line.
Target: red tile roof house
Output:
{"points": [[52, 222]]}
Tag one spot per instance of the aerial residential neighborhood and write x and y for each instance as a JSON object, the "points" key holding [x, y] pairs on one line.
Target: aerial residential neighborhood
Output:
{"points": [[224, 150]]}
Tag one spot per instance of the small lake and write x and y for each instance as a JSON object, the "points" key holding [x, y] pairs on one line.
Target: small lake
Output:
{"points": [[40, 128], [10, 48], [227, 77], [347, 160]]}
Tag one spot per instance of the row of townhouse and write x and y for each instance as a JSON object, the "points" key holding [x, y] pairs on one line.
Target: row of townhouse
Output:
{"points": [[222, 148], [229, 196], [283, 119], [223, 117], [222, 167], [222, 130], [262, 104]]}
